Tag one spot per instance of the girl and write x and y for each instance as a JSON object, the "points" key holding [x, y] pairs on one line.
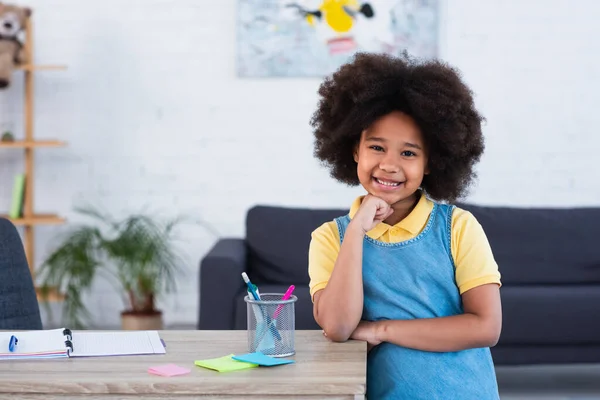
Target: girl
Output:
{"points": [[405, 271]]}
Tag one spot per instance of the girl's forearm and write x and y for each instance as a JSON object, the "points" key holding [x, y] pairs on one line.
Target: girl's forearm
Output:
{"points": [[445, 334], [340, 304]]}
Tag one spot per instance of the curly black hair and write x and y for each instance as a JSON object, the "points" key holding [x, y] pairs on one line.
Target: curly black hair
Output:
{"points": [[430, 91]]}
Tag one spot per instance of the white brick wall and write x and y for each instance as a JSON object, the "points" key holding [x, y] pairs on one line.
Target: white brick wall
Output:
{"points": [[155, 116]]}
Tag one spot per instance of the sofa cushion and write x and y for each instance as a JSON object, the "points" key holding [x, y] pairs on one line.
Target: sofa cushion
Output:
{"points": [[278, 240], [550, 315], [543, 246], [302, 309]]}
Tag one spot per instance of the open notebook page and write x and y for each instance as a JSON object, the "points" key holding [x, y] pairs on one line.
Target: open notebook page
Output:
{"points": [[97, 344], [32, 342]]}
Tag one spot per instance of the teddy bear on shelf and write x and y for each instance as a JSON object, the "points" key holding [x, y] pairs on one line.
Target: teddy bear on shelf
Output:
{"points": [[12, 23]]}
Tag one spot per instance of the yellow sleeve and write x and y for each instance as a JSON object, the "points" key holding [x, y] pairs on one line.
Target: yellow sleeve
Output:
{"points": [[322, 253], [471, 251]]}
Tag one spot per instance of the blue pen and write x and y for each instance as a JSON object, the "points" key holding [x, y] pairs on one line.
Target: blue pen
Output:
{"points": [[250, 287], [253, 291], [13, 342]]}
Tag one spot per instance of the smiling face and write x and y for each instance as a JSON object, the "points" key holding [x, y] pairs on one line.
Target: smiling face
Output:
{"points": [[392, 159]]}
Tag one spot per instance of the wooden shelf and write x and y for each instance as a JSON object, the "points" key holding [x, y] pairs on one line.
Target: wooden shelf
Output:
{"points": [[52, 295], [30, 67], [27, 144], [38, 219]]}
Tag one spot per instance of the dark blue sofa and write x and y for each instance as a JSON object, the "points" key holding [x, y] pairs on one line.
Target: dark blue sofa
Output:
{"points": [[549, 260]]}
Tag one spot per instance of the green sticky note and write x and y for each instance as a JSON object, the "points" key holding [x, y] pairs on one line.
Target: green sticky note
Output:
{"points": [[224, 364]]}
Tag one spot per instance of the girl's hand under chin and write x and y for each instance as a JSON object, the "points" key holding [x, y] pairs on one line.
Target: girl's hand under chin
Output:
{"points": [[371, 212]]}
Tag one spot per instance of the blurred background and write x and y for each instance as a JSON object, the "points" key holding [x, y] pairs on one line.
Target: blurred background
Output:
{"points": [[202, 108]]}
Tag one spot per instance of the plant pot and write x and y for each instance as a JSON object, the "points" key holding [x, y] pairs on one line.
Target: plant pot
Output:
{"points": [[135, 321]]}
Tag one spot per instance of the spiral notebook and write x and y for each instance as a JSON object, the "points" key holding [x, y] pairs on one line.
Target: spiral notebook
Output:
{"points": [[62, 343]]}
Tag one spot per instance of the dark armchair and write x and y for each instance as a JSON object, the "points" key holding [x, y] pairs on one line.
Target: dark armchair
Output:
{"points": [[18, 302]]}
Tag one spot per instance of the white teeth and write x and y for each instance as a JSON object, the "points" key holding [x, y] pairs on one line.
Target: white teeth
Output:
{"points": [[387, 183]]}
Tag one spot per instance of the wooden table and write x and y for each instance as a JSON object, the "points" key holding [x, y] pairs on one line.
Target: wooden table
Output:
{"points": [[323, 370]]}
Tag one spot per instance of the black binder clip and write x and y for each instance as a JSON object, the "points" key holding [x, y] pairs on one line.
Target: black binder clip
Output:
{"points": [[69, 344]]}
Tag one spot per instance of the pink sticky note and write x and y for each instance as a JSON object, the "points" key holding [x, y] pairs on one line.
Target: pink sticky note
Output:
{"points": [[168, 370]]}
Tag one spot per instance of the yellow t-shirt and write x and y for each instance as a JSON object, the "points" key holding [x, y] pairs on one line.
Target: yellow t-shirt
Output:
{"points": [[472, 254]]}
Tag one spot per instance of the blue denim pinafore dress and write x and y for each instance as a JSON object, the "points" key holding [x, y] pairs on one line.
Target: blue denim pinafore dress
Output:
{"points": [[415, 279]]}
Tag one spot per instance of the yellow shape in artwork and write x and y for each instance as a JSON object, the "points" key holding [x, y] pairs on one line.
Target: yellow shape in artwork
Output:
{"points": [[335, 15]]}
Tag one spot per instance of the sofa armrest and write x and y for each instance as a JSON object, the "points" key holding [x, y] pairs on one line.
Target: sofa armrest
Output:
{"points": [[220, 281]]}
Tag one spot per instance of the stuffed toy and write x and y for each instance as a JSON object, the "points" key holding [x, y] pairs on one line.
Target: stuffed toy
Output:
{"points": [[12, 23]]}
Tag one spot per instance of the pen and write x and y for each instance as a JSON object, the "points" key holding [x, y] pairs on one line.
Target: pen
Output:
{"points": [[253, 290], [286, 296], [257, 291], [251, 287], [13, 342]]}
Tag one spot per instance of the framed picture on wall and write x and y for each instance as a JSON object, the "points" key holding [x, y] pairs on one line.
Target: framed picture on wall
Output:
{"points": [[312, 38]]}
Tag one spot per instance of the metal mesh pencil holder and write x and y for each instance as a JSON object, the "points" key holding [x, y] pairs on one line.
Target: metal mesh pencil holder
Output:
{"points": [[271, 324]]}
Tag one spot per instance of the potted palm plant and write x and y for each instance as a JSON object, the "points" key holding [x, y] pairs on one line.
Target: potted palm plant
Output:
{"points": [[136, 254]]}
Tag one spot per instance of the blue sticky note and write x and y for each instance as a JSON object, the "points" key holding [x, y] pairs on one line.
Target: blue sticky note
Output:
{"points": [[261, 359]]}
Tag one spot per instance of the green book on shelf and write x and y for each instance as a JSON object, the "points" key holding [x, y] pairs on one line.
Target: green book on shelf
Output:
{"points": [[16, 208]]}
